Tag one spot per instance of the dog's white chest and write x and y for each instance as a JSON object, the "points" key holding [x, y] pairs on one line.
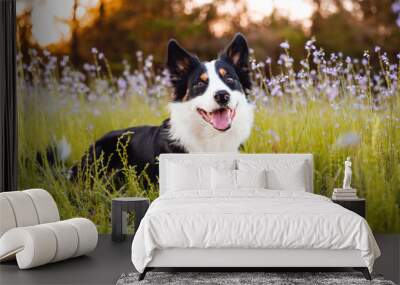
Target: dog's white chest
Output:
{"points": [[218, 143]]}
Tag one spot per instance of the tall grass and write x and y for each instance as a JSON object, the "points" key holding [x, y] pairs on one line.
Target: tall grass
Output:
{"points": [[331, 106]]}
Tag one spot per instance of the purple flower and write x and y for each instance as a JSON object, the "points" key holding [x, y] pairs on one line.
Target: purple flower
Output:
{"points": [[253, 65], [274, 135], [332, 91], [64, 60], [121, 84], [139, 55], [285, 45], [87, 67], [396, 7], [310, 44], [96, 112]]}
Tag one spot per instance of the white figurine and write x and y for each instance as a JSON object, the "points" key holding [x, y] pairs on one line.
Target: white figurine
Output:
{"points": [[347, 174]]}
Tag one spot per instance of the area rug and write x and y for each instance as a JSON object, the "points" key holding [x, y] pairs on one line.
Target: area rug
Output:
{"points": [[243, 278]]}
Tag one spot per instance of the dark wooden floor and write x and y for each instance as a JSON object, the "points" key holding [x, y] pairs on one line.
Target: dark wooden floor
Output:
{"points": [[110, 260], [102, 266]]}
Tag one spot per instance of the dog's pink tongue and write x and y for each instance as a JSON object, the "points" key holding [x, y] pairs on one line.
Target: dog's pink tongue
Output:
{"points": [[221, 119]]}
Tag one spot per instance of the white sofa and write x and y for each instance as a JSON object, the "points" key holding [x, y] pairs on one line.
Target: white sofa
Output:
{"points": [[31, 231]]}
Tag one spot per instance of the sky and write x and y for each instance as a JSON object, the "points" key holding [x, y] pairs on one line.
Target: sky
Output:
{"points": [[47, 15]]}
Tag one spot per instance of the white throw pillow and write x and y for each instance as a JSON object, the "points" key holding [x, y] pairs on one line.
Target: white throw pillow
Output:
{"points": [[183, 177], [223, 179], [227, 179], [293, 179], [193, 174], [251, 178], [281, 174]]}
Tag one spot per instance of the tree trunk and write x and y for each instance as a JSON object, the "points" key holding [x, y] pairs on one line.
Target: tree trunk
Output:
{"points": [[74, 35]]}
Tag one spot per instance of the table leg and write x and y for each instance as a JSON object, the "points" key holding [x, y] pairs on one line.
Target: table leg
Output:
{"points": [[124, 223], [116, 222]]}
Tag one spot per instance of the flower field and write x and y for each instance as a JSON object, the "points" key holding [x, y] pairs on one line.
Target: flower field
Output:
{"points": [[327, 104]]}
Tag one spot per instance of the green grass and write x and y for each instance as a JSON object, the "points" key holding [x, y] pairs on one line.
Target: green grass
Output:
{"points": [[371, 136]]}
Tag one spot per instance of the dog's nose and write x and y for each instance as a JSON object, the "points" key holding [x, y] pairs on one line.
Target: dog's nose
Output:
{"points": [[222, 97]]}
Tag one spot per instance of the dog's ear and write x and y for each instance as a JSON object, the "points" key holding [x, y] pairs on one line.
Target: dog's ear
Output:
{"points": [[237, 54], [180, 63]]}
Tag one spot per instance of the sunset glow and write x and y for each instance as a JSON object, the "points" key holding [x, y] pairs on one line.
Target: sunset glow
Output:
{"points": [[49, 17]]}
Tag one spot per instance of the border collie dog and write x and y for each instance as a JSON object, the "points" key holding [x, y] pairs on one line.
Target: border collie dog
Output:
{"points": [[209, 112]]}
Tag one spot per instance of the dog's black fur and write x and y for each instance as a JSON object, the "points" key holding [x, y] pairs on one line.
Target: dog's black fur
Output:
{"points": [[146, 143], [143, 146]]}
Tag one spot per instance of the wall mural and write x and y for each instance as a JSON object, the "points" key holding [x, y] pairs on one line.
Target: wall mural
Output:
{"points": [[102, 91]]}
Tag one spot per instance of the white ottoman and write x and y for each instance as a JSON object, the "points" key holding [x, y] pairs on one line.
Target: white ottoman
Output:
{"points": [[31, 232]]}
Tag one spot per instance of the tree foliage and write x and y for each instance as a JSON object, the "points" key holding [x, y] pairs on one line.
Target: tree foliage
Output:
{"points": [[120, 28]]}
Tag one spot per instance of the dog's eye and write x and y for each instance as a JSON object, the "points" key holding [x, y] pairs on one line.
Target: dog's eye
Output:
{"points": [[200, 84]]}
